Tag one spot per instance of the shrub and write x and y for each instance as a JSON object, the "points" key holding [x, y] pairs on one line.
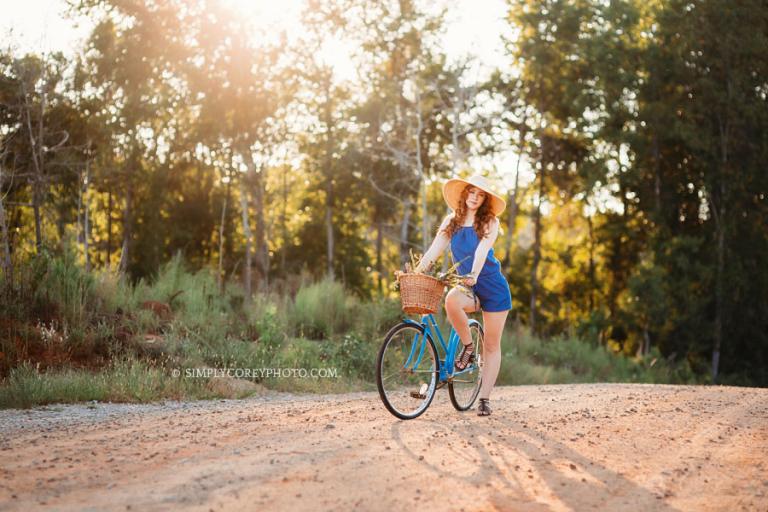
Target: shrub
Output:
{"points": [[320, 310], [373, 319], [353, 356], [68, 289]]}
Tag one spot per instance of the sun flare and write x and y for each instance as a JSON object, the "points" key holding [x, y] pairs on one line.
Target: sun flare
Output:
{"points": [[285, 16]]}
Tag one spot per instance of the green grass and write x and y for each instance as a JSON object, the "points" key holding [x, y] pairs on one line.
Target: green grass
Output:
{"points": [[561, 360], [123, 381]]}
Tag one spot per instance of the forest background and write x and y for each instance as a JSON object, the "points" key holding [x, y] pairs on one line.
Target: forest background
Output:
{"points": [[186, 164]]}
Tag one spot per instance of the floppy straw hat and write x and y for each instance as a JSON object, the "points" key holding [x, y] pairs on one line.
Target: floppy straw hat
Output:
{"points": [[453, 187]]}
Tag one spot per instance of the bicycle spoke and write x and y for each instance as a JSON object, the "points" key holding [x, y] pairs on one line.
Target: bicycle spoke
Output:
{"points": [[390, 376]]}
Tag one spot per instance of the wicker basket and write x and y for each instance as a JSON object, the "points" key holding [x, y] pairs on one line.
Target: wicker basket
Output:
{"points": [[420, 294]]}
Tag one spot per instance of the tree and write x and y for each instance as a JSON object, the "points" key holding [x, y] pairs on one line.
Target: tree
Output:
{"points": [[402, 101], [239, 85], [325, 101], [5, 244], [545, 51]]}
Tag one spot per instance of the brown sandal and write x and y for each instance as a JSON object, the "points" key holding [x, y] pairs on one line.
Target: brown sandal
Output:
{"points": [[467, 356], [484, 409]]}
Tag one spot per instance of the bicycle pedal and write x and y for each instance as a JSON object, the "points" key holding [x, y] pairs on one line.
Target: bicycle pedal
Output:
{"points": [[421, 393]]}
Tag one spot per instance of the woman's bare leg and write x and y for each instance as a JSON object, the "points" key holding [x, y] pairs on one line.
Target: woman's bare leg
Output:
{"points": [[457, 305], [493, 325]]}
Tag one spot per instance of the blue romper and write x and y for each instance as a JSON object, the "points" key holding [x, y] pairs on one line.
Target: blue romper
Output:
{"points": [[491, 287]]}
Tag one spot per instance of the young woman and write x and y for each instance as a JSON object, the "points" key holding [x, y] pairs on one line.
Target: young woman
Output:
{"points": [[471, 230]]}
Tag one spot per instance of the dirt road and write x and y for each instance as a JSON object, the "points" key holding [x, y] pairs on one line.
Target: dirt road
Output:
{"points": [[574, 447]]}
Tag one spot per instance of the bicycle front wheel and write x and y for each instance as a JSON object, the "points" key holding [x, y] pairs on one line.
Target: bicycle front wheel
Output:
{"points": [[407, 371], [465, 385]]}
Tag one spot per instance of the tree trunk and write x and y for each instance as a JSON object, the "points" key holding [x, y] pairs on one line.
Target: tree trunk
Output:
{"points": [[536, 251], [617, 259], [109, 228], [592, 279], [456, 158], [512, 198], [262, 247], [244, 207], [720, 218], [14, 223], [329, 225], [127, 229], [38, 220], [329, 174], [447, 254], [87, 212], [221, 236], [645, 346], [83, 221], [404, 247], [657, 178], [425, 239], [379, 266], [284, 219], [512, 215], [80, 222], [5, 257], [455, 150], [718, 334], [87, 231], [36, 145], [422, 179]]}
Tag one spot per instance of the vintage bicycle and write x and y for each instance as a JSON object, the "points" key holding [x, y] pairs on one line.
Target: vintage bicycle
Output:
{"points": [[410, 370]]}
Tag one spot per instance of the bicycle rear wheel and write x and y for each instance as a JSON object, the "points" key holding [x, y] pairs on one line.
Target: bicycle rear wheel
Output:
{"points": [[465, 385], [407, 371]]}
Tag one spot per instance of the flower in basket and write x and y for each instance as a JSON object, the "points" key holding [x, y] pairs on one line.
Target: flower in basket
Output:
{"points": [[450, 277], [419, 295]]}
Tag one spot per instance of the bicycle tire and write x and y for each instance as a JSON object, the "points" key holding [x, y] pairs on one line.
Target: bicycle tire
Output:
{"points": [[463, 401], [394, 399]]}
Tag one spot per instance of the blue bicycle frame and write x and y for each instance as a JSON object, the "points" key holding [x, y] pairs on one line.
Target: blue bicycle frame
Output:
{"points": [[419, 344]]}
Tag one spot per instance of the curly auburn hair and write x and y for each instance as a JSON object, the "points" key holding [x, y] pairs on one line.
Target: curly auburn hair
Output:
{"points": [[483, 217]]}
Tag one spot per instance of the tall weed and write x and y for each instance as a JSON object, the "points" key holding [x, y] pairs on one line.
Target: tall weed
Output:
{"points": [[321, 310]]}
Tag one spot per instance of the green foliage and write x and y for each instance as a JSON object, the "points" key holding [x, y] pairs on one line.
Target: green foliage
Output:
{"points": [[68, 289], [125, 380], [25, 387], [351, 358], [668, 112], [371, 318], [354, 357], [52, 313], [566, 360], [321, 310]]}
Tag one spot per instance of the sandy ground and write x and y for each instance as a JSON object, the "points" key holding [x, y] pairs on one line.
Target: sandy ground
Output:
{"points": [[573, 447]]}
